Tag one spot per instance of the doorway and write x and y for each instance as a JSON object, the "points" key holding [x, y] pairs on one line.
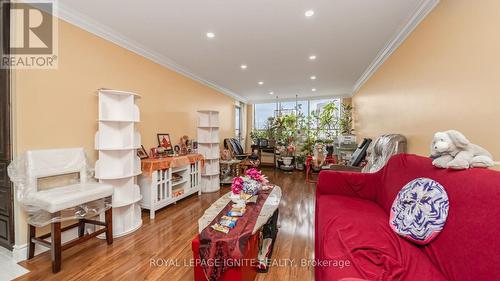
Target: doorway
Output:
{"points": [[6, 195]]}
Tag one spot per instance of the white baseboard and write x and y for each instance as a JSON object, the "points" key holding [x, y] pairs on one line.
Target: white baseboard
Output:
{"points": [[20, 252]]}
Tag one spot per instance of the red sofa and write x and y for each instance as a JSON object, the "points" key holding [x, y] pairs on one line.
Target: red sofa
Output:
{"points": [[353, 239]]}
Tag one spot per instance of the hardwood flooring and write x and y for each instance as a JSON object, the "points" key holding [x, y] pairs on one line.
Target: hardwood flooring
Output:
{"points": [[169, 237]]}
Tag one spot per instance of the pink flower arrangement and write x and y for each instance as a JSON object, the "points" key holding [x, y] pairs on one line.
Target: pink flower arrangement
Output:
{"points": [[256, 175], [237, 185]]}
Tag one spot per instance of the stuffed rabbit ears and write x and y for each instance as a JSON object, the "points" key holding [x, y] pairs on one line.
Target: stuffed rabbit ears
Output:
{"points": [[458, 138]]}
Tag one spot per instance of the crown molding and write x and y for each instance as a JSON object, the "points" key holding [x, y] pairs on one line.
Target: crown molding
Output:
{"points": [[73, 17], [288, 98], [425, 7]]}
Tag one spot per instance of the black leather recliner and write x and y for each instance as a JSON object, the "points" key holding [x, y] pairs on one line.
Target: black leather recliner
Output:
{"points": [[234, 146]]}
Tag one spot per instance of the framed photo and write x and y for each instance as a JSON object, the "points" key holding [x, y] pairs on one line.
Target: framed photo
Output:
{"points": [[164, 141], [177, 149], [142, 153]]}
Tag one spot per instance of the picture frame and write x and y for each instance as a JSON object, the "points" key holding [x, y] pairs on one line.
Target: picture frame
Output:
{"points": [[165, 142], [142, 153]]}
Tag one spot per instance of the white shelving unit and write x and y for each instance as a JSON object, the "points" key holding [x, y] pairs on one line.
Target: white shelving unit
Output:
{"points": [[208, 146], [118, 165], [159, 190]]}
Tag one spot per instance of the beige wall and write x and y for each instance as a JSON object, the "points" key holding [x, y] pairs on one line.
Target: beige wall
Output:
{"points": [[444, 76], [58, 108]]}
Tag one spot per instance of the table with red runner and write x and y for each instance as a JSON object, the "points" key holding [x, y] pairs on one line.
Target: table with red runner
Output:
{"points": [[217, 249], [149, 165]]}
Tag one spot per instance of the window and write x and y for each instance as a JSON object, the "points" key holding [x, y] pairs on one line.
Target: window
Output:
{"points": [[237, 123], [316, 107], [289, 106], [262, 112]]}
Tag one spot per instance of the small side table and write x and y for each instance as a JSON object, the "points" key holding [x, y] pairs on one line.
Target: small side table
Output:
{"points": [[229, 170]]}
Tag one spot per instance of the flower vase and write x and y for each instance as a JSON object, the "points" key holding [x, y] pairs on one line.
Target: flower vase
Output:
{"points": [[287, 160]]}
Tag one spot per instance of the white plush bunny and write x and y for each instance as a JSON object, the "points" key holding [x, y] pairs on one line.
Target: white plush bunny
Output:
{"points": [[451, 149]]}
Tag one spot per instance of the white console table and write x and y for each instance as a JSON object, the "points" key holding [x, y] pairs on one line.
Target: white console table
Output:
{"points": [[158, 189]]}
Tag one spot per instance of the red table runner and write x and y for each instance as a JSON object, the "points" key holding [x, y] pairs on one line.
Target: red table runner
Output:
{"points": [[218, 249], [150, 165]]}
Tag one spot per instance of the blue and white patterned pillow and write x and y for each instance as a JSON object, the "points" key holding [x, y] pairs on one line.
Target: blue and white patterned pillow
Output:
{"points": [[420, 210]]}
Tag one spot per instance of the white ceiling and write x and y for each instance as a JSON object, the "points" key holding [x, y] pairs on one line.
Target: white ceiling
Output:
{"points": [[272, 37]]}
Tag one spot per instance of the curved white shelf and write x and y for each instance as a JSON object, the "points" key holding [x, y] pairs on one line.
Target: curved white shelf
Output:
{"points": [[208, 140], [210, 183], [118, 164], [131, 230], [120, 120], [127, 220], [119, 92], [118, 108], [114, 177], [119, 204], [109, 168], [115, 139]]}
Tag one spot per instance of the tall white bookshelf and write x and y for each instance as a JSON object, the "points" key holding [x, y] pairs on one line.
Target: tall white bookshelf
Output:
{"points": [[118, 165], [208, 146]]}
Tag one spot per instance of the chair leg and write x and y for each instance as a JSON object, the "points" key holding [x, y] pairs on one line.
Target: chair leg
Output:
{"points": [[31, 245], [108, 216], [56, 247], [81, 228]]}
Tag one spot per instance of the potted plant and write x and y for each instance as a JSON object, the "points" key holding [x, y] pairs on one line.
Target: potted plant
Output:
{"points": [[286, 154], [300, 161], [257, 135], [345, 121], [328, 122]]}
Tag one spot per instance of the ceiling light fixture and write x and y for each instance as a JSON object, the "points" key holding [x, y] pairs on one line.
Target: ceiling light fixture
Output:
{"points": [[261, 83], [210, 35], [309, 13], [313, 89], [243, 66], [313, 77], [312, 57], [271, 93]]}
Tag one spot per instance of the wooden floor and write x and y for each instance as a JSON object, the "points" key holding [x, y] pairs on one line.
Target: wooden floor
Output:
{"points": [[169, 237]]}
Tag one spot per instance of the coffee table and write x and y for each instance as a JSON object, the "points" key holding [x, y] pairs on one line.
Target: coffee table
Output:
{"points": [[268, 209], [263, 232]]}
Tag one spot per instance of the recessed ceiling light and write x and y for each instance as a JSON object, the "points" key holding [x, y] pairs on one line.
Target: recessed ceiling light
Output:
{"points": [[312, 57], [243, 66], [313, 77], [309, 13], [271, 93], [313, 89], [261, 83], [210, 35]]}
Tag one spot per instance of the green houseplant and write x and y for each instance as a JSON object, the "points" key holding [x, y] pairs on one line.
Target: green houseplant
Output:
{"points": [[345, 121]]}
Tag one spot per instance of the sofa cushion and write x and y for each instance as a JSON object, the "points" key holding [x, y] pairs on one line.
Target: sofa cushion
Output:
{"points": [[356, 232], [419, 211], [468, 247]]}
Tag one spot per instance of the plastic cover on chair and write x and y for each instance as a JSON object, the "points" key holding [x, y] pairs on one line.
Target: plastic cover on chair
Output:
{"points": [[382, 149], [27, 170]]}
